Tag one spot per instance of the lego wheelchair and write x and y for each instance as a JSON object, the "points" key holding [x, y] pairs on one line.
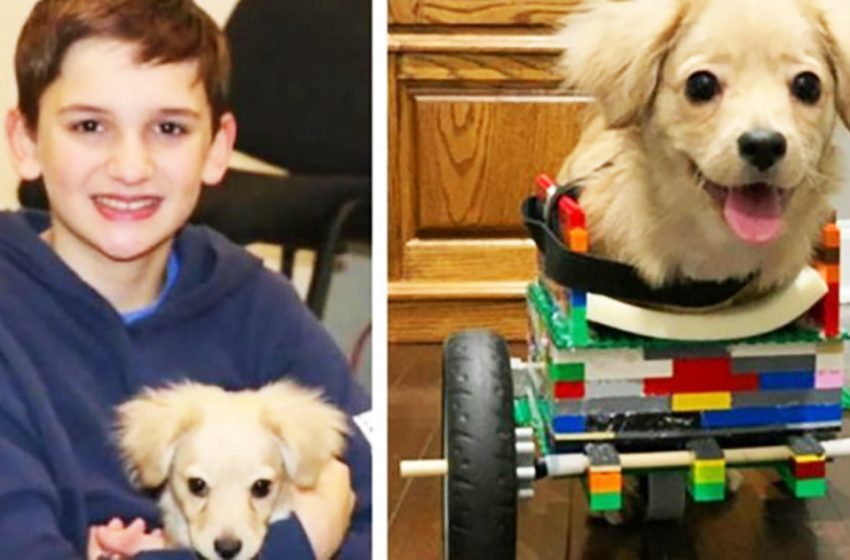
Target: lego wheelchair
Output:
{"points": [[612, 387]]}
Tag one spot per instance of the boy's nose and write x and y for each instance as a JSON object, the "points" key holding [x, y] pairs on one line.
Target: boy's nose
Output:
{"points": [[130, 162]]}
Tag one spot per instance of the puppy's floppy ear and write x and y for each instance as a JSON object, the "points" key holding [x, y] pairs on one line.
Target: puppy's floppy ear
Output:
{"points": [[614, 50], [311, 431], [835, 22], [149, 427]]}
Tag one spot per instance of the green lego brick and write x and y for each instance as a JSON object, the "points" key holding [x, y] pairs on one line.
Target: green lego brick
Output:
{"points": [[566, 371], [522, 412], [707, 475], [806, 488], [845, 398], [579, 332], [609, 501], [714, 492]]}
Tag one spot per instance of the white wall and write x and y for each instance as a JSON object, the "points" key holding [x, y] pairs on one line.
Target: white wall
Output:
{"points": [[12, 16]]}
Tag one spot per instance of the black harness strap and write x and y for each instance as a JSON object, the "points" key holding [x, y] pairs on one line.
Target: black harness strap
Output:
{"points": [[615, 279]]}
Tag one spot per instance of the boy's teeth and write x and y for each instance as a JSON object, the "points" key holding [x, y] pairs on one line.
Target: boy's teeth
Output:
{"points": [[124, 205]]}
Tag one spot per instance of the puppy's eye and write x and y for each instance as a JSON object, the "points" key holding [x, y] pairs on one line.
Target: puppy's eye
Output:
{"points": [[702, 86], [198, 487], [261, 488], [806, 87]]}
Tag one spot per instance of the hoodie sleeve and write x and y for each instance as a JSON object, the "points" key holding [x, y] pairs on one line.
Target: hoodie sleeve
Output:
{"points": [[29, 523], [312, 357], [33, 521]]}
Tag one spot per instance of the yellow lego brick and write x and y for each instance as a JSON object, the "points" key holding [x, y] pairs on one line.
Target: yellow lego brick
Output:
{"points": [[690, 402], [708, 474], [809, 458]]}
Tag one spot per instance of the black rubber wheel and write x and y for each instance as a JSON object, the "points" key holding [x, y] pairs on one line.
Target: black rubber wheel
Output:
{"points": [[665, 496], [480, 489]]}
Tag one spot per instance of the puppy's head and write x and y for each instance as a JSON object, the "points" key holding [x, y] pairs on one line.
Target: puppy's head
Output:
{"points": [[734, 105], [227, 461]]}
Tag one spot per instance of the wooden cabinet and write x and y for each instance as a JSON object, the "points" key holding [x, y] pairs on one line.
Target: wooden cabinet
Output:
{"points": [[475, 112]]}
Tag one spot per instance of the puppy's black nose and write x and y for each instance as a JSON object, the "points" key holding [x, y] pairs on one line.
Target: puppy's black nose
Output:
{"points": [[227, 547], [762, 148]]}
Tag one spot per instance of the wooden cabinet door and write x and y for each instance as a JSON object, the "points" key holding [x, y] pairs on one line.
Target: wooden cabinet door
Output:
{"points": [[475, 114]]}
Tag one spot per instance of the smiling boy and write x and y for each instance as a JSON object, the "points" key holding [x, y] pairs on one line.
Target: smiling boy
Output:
{"points": [[122, 112]]}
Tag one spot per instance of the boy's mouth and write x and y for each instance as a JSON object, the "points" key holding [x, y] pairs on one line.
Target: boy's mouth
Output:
{"points": [[752, 211], [126, 208]]}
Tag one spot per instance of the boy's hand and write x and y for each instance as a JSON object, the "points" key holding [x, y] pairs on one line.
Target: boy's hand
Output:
{"points": [[115, 541], [325, 511]]}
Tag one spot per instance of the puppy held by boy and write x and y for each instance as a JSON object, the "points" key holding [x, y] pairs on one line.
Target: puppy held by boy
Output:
{"points": [[224, 465], [709, 154]]}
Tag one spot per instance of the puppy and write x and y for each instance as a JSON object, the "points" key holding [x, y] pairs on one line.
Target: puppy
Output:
{"points": [[226, 463], [709, 153]]}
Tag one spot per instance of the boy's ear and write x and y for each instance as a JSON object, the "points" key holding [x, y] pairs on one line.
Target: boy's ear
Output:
{"points": [[22, 145], [218, 157]]}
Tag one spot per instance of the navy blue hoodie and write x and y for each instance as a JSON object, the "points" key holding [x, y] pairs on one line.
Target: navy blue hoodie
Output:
{"points": [[67, 359]]}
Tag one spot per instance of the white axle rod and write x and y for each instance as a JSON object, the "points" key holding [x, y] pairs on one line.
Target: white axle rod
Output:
{"points": [[573, 464]]}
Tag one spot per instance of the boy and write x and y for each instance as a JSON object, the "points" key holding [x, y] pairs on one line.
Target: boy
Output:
{"points": [[122, 111]]}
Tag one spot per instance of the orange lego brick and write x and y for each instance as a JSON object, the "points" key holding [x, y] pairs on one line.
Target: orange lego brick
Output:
{"points": [[830, 236], [831, 273], [603, 482], [579, 240]]}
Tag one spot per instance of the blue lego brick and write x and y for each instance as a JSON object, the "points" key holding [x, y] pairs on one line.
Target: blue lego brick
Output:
{"points": [[578, 298], [787, 380], [569, 424], [765, 416]]}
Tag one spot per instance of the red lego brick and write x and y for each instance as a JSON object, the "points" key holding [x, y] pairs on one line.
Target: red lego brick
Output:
{"points": [[544, 183], [810, 469], [570, 214], [569, 390], [709, 375], [831, 310], [658, 386]]}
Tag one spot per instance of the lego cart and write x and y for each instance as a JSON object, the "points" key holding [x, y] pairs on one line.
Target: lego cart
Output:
{"points": [[611, 388]]}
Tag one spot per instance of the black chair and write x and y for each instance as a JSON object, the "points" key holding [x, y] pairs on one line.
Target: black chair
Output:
{"points": [[301, 92]]}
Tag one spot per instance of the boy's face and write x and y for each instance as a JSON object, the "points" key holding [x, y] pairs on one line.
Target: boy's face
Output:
{"points": [[124, 149]]}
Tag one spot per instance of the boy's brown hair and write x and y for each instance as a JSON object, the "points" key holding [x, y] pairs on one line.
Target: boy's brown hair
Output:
{"points": [[164, 31]]}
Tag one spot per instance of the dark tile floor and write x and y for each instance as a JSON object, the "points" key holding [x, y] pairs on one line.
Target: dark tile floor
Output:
{"points": [[761, 522]]}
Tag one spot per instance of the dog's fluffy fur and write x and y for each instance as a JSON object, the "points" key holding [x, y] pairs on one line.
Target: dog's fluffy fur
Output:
{"points": [[234, 442], [658, 167]]}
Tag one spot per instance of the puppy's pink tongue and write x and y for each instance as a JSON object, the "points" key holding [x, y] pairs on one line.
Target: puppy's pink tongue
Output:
{"points": [[754, 213]]}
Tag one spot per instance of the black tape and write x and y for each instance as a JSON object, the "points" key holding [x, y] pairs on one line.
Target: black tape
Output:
{"points": [[598, 275]]}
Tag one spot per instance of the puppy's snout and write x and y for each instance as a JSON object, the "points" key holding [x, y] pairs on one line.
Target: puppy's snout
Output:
{"points": [[762, 148], [227, 547]]}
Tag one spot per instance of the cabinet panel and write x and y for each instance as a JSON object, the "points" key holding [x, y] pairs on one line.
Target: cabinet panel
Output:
{"points": [[476, 111], [479, 12], [476, 159]]}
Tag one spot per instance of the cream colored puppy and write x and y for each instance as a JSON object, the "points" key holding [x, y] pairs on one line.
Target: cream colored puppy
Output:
{"points": [[226, 463], [709, 155]]}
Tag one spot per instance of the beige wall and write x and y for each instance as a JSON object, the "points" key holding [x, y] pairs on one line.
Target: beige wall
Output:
{"points": [[12, 16]]}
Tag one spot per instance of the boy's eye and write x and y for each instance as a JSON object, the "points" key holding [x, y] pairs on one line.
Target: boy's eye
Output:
{"points": [[88, 125], [170, 128]]}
